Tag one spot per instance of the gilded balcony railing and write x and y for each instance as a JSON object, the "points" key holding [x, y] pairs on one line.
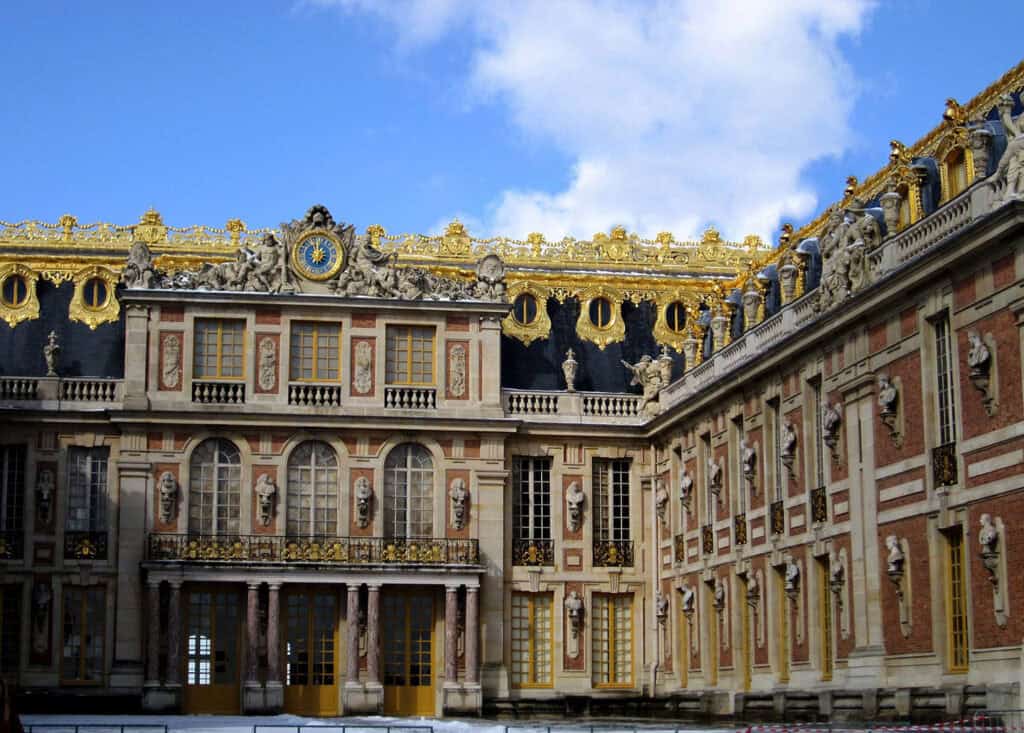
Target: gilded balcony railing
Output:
{"points": [[740, 529], [680, 547], [613, 553], [707, 539], [12, 544], [819, 505], [327, 550], [533, 552], [85, 545], [944, 468], [777, 517]]}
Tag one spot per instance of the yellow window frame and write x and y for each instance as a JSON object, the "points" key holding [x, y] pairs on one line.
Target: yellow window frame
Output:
{"points": [[83, 628], [316, 325], [411, 382], [531, 616], [220, 348], [609, 599], [957, 642]]}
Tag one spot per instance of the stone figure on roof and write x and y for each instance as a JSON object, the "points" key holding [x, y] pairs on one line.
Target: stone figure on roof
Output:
{"points": [[650, 375], [1011, 164]]}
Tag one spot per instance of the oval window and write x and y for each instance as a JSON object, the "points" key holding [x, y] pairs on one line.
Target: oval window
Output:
{"points": [[675, 316], [601, 312], [524, 309], [14, 291], [95, 293]]}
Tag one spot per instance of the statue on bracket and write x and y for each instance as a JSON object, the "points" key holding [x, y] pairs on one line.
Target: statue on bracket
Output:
{"points": [[457, 493], [266, 491], [574, 609], [979, 362], [1011, 164], [574, 506], [364, 496], [168, 496]]}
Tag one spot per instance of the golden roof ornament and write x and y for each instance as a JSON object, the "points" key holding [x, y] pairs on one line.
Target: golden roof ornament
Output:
{"points": [[954, 113], [67, 222], [150, 228], [456, 240], [711, 236], [785, 235], [851, 186], [235, 227], [535, 240], [375, 232], [899, 154]]}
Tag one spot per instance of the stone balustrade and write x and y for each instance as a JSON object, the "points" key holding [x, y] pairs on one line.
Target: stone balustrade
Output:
{"points": [[410, 398], [564, 406]]}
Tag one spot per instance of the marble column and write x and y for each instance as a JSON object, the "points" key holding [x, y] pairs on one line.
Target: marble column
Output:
{"points": [[472, 636], [373, 635], [174, 634], [451, 613], [153, 643], [352, 652], [273, 633], [252, 634]]}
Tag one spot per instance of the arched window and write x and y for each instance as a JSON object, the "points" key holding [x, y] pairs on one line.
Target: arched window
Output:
{"points": [[408, 492], [312, 490], [215, 478]]}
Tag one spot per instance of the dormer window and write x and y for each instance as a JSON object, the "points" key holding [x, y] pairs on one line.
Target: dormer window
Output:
{"points": [[956, 173]]}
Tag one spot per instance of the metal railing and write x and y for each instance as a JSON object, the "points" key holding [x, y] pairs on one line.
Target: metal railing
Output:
{"points": [[944, 468], [613, 553], [777, 517], [85, 545], [342, 728], [707, 539], [533, 552], [96, 728], [679, 544], [12, 544], [740, 529], [325, 550], [819, 505]]}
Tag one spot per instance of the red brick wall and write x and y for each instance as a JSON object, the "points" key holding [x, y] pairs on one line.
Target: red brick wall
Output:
{"points": [[1006, 334], [914, 530]]}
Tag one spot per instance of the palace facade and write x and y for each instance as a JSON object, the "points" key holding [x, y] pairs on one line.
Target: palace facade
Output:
{"points": [[322, 472]]}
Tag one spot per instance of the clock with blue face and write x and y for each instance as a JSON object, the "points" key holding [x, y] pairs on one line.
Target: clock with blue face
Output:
{"points": [[318, 255]]}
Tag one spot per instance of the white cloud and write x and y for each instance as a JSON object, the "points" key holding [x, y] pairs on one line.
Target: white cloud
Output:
{"points": [[678, 114]]}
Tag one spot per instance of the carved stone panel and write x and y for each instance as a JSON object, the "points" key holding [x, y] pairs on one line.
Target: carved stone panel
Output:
{"points": [[457, 370], [266, 497], [172, 344], [364, 363], [267, 362], [162, 521], [364, 477], [457, 486]]}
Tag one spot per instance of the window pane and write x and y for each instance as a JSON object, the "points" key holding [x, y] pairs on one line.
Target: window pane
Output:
{"points": [[408, 492], [12, 487], [215, 488], [87, 489]]}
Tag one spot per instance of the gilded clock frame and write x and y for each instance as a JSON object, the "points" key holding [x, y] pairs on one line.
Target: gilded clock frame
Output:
{"points": [[300, 267]]}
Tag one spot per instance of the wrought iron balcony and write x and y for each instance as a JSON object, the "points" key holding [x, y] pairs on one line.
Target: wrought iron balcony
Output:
{"points": [[321, 550], [613, 553], [12, 544], [85, 545], [944, 468], [680, 547], [739, 524], [819, 505], [778, 517], [533, 552], [707, 539]]}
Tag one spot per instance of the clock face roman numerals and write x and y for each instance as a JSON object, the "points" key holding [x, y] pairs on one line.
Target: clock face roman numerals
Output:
{"points": [[318, 256]]}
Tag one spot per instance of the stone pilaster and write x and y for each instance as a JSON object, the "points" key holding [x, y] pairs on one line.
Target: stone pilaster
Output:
{"points": [[136, 337], [133, 475], [174, 634], [373, 636], [451, 612], [352, 623], [491, 518], [153, 640]]}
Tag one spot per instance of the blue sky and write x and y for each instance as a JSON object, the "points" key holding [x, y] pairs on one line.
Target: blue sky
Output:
{"points": [[565, 118]]}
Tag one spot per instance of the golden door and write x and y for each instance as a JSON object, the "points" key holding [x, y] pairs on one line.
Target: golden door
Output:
{"points": [[407, 624], [213, 651], [310, 655]]}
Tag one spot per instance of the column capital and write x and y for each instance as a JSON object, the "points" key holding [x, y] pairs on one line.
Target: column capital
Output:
{"points": [[451, 588], [275, 585], [373, 587], [253, 586], [472, 588]]}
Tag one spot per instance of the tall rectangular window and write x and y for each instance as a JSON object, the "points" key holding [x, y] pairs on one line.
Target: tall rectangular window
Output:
{"points": [[12, 487], [819, 433], [532, 639], [219, 349], [316, 352], [612, 636], [710, 500], [825, 613], [775, 417], [87, 489], [956, 602], [739, 483], [410, 355], [944, 380], [611, 499], [531, 498], [10, 628], [83, 632]]}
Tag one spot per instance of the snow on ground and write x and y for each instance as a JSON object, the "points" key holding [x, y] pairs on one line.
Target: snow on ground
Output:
{"points": [[289, 724]]}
